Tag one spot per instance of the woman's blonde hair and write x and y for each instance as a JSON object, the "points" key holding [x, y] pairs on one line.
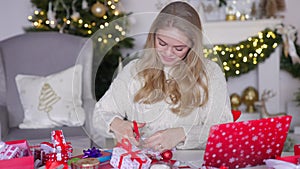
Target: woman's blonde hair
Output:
{"points": [[187, 89]]}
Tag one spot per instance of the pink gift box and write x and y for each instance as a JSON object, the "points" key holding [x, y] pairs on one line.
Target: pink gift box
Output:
{"points": [[9, 152], [24, 161]]}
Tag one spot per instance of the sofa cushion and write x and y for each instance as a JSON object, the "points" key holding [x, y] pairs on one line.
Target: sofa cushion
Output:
{"points": [[54, 100], [38, 54]]}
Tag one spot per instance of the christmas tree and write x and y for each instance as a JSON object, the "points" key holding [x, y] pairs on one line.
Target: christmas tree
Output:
{"points": [[101, 20]]}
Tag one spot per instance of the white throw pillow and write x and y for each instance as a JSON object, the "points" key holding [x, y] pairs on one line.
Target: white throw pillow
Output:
{"points": [[51, 101]]}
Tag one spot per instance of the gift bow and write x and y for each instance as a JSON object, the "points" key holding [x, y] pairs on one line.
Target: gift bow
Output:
{"points": [[94, 153], [61, 151], [288, 34], [58, 139], [279, 164], [126, 145]]}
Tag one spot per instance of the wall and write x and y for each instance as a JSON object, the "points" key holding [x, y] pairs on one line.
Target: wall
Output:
{"points": [[13, 17], [13, 14]]}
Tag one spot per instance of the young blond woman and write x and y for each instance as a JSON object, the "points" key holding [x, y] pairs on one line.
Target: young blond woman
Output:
{"points": [[172, 91]]}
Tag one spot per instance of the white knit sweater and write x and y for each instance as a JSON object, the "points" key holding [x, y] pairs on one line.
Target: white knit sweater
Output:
{"points": [[118, 102]]}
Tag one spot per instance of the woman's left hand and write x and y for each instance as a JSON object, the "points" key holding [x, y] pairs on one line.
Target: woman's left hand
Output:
{"points": [[165, 139]]}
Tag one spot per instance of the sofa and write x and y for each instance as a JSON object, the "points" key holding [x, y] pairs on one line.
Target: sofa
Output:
{"points": [[46, 84]]}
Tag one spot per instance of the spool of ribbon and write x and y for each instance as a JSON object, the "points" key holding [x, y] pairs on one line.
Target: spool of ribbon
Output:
{"points": [[87, 163], [288, 35]]}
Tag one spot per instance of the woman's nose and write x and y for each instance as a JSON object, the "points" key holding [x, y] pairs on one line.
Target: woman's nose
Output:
{"points": [[169, 50]]}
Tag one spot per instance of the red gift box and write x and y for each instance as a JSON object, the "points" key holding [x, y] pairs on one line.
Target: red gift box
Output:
{"points": [[25, 162]]}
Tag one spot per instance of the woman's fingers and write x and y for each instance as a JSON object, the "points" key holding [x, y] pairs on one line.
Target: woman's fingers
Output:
{"points": [[141, 125], [126, 129], [154, 141]]}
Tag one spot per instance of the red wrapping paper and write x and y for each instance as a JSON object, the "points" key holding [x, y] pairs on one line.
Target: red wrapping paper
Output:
{"points": [[235, 145]]}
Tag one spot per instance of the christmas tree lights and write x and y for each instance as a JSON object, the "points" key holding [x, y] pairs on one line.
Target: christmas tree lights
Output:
{"points": [[101, 20]]}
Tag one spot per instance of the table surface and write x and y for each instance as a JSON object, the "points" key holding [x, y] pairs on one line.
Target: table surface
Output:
{"points": [[194, 158]]}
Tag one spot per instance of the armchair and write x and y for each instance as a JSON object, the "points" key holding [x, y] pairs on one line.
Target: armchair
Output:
{"points": [[42, 54]]}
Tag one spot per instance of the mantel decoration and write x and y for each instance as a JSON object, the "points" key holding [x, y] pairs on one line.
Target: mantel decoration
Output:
{"points": [[261, 105], [84, 18], [235, 101], [249, 97], [240, 58]]}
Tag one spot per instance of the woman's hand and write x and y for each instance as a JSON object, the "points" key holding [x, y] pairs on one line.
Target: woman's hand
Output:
{"points": [[165, 139], [124, 129]]}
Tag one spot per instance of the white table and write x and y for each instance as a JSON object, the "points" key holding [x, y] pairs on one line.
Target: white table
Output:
{"points": [[194, 158]]}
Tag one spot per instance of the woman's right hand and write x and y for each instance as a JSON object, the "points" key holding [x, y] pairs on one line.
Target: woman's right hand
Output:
{"points": [[124, 129]]}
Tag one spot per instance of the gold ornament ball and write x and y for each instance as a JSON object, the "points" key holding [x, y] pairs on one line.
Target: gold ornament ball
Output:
{"points": [[98, 9], [235, 101], [249, 97]]}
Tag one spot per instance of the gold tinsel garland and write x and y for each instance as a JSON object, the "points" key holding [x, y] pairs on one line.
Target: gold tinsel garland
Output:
{"points": [[238, 59]]}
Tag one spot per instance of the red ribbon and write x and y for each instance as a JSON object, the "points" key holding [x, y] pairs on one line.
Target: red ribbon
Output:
{"points": [[136, 130], [126, 145], [58, 139]]}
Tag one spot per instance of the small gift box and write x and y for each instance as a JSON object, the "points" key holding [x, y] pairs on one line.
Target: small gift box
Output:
{"points": [[127, 156]]}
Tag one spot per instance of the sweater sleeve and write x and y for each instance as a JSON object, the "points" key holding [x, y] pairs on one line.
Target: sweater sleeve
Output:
{"points": [[217, 110], [114, 103]]}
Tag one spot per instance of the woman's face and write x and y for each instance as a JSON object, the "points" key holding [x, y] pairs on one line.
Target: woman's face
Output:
{"points": [[171, 45]]}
